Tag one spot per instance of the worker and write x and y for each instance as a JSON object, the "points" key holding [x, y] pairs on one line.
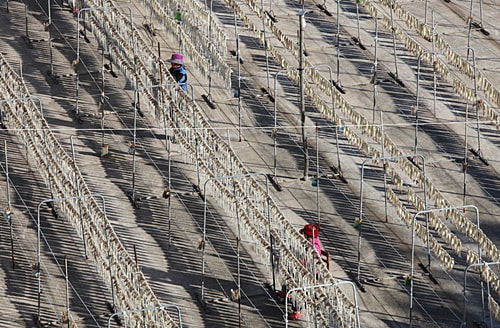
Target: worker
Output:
{"points": [[177, 70]]}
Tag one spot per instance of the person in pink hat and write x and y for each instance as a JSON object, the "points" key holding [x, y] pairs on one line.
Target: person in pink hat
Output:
{"points": [[177, 70]]}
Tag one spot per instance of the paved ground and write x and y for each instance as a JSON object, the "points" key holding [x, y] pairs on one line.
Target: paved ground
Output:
{"points": [[166, 241]]}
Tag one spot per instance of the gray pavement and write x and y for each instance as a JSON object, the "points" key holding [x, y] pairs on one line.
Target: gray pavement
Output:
{"points": [[166, 247]]}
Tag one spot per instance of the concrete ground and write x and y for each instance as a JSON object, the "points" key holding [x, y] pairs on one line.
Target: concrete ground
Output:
{"points": [[165, 239]]}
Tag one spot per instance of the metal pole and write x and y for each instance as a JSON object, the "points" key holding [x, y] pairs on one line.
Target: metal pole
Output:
{"points": [[7, 179], [133, 146], [301, 15], [469, 22], [318, 207], [8, 210], [103, 98], [465, 163], [67, 287], [236, 176], [425, 11], [361, 197], [265, 43], [374, 77], [239, 83], [481, 12], [210, 53], [357, 19], [238, 241], [51, 72], [434, 75], [393, 32], [79, 194], [338, 42], [319, 286], [385, 173], [26, 11], [413, 244]]}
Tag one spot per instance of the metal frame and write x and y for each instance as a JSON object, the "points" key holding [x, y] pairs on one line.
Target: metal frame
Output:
{"points": [[160, 307], [413, 245], [418, 89], [205, 224], [39, 271], [77, 112], [318, 286], [464, 323], [361, 200], [136, 101], [22, 99]]}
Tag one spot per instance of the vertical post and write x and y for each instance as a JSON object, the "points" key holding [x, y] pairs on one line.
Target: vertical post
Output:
{"points": [[469, 22], [169, 200], [238, 242], [133, 147], [67, 287], [374, 77], [434, 75], [318, 207], [26, 13], [475, 101], [393, 32], [210, 48], [7, 174], [51, 72], [8, 210], [103, 98], [481, 13], [338, 42], [425, 12], [265, 42], [301, 15], [76, 65], [416, 105], [239, 83], [357, 19], [79, 194], [465, 163]]}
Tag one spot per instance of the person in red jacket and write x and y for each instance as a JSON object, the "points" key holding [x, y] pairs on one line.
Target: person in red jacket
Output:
{"points": [[311, 232]]}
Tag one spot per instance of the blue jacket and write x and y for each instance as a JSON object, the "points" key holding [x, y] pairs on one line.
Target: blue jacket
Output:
{"points": [[180, 75]]}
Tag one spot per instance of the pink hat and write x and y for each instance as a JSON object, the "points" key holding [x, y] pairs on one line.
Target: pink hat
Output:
{"points": [[176, 59]]}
